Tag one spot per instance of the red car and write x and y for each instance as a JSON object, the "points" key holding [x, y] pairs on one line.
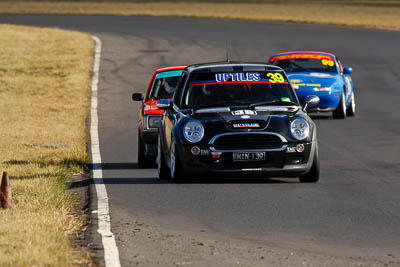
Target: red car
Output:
{"points": [[162, 86]]}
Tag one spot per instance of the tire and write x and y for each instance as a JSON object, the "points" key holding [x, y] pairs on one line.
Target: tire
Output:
{"points": [[312, 176], [351, 109], [176, 173], [141, 158], [162, 168], [340, 111]]}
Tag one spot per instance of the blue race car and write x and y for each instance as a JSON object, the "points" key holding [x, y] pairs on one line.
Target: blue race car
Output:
{"points": [[321, 74]]}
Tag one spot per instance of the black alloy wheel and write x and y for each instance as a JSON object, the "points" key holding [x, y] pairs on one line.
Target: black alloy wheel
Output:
{"points": [[141, 157], [143, 160], [176, 173], [162, 168]]}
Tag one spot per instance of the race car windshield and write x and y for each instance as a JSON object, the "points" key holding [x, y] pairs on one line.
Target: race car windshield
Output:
{"points": [[305, 63], [206, 90], [164, 84]]}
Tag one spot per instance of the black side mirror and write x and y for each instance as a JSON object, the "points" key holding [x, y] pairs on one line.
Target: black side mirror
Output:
{"points": [[311, 100], [163, 104], [137, 97]]}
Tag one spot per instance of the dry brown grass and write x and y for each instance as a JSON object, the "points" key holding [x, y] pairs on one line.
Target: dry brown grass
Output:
{"points": [[44, 92], [364, 13]]}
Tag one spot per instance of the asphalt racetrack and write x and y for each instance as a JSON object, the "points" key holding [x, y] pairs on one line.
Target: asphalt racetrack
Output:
{"points": [[353, 212]]}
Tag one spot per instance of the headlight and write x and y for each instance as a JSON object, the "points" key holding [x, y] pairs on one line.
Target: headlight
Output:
{"points": [[153, 121], [193, 131], [300, 128]]}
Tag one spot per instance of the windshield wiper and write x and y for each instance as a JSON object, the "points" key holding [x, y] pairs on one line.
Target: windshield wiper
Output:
{"points": [[273, 102]]}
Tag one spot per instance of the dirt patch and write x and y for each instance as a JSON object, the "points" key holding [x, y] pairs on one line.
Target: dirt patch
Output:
{"points": [[155, 246], [83, 240]]}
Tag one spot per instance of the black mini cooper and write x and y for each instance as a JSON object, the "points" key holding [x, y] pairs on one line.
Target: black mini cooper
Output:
{"points": [[236, 118]]}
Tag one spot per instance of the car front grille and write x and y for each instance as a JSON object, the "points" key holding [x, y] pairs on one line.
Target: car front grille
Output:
{"points": [[247, 141]]}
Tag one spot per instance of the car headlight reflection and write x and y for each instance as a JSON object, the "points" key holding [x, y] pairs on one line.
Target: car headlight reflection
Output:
{"points": [[300, 128], [153, 121], [193, 131]]}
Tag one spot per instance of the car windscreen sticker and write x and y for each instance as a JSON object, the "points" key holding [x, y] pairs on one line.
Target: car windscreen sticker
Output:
{"points": [[170, 73], [327, 62], [285, 99], [326, 59], [243, 77], [275, 77]]}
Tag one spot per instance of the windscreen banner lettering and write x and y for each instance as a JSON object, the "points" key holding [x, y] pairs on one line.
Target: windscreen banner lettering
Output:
{"points": [[238, 77], [325, 59], [271, 77], [243, 77]]}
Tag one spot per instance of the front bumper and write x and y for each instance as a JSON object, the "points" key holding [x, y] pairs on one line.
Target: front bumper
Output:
{"points": [[149, 139], [276, 163], [148, 131], [150, 136]]}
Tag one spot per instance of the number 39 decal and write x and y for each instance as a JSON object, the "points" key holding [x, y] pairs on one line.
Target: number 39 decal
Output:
{"points": [[275, 77]]}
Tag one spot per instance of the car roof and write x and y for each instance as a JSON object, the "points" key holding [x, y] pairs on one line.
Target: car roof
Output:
{"points": [[170, 68], [304, 52], [231, 66]]}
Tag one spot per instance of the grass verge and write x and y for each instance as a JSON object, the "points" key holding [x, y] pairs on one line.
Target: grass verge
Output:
{"points": [[44, 92], [383, 14]]}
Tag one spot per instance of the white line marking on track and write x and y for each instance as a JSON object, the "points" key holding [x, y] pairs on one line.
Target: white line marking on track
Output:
{"points": [[111, 254]]}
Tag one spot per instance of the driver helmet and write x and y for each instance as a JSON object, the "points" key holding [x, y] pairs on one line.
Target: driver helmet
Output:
{"points": [[206, 90], [170, 85]]}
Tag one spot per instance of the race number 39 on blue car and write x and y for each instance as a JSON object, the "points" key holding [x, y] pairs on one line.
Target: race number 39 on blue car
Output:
{"points": [[236, 118], [321, 74]]}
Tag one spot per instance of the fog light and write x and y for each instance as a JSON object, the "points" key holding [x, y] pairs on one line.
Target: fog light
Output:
{"points": [[195, 150], [295, 160], [216, 155], [300, 148]]}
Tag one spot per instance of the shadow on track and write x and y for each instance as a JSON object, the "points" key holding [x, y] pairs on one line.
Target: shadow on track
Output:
{"points": [[156, 180], [113, 166], [217, 180]]}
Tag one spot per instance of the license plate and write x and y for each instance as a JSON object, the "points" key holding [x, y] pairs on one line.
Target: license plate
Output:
{"points": [[249, 156]]}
